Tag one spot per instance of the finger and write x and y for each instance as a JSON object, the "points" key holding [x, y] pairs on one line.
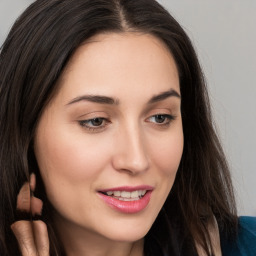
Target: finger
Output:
{"points": [[23, 232], [41, 238], [23, 198], [36, 206]]}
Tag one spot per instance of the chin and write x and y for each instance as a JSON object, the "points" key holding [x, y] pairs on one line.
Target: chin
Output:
{"points": [[129, 233]]}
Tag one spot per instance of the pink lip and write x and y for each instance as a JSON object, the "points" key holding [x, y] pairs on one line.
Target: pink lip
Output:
{"points": [[128, 206], [128, 188]]}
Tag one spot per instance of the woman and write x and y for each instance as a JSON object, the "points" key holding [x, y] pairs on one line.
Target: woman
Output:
{"points": [[104, 106]]}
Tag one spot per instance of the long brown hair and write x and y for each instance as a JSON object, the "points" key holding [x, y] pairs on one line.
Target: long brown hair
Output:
{"points": [[32, 59]]}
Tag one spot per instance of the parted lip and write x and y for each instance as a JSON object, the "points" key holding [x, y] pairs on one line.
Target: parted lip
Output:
{"points": [[128, 188]]}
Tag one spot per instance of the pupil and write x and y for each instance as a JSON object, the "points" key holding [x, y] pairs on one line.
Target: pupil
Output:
{"points": [[97, 121], [160, 118]]}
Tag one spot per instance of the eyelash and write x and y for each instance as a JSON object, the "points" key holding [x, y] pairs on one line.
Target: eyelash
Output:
{"points": [[169, 118], [84, 123]]}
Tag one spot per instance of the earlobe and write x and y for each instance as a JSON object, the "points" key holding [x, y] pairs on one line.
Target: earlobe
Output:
{"points": [[23, 198], [36, 203], [32, 235], [27, 204]]}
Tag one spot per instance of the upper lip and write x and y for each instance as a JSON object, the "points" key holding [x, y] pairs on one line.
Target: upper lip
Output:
{"points": [[128, 188]]}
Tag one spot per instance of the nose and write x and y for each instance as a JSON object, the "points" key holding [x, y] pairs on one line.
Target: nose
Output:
{"points": [[130, 151]]}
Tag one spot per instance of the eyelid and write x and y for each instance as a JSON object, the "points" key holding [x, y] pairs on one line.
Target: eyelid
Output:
{"points": [[93, 114]]}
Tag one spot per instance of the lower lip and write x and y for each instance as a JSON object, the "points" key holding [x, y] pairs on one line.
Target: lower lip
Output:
{"points": [[127, 206]]}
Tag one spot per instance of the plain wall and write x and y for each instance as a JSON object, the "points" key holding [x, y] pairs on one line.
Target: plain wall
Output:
{"points": [[224, 35]]}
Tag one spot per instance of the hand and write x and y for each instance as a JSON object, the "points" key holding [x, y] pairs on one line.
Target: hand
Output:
{"points": [[32, 236]]}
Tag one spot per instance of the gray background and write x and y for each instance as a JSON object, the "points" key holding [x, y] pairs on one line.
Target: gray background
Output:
{"points": [[224, 35]]}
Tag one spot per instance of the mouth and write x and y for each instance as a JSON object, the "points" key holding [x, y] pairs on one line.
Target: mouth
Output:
{"points": [[126, 195], [127, 199]]}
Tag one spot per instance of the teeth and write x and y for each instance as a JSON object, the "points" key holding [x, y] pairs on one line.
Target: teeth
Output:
{"points": [[126, 195], [129, 199], [117, 193], [134, 194]]}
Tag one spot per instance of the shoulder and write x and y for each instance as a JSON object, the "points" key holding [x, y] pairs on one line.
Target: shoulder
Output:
{"points": [[248, 224], [245, 244]]}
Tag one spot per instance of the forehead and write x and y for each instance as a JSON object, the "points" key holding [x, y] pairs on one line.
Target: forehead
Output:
{"points": [[113, 63]]}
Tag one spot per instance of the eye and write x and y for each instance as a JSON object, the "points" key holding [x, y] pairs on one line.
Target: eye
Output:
{"points": [[94, 123], [161, 119]]}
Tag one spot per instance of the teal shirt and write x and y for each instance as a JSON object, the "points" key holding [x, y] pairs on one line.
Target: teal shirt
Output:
{"points": [[246, 241]]}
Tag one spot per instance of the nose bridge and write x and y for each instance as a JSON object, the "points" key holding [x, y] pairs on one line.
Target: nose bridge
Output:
{"points": [[131, 152]]}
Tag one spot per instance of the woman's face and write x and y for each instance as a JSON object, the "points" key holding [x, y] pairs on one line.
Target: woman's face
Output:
{"points": [[110, 142]]}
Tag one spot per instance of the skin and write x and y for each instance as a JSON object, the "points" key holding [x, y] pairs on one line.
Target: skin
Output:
{"points": [[32, 236], [129, 148]]}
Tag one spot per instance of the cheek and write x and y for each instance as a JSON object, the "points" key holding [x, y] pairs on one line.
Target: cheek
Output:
{"points": [[166, 153], [66, 160], [70, 166]]}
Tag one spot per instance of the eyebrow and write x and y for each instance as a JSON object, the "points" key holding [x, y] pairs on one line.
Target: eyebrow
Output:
{"points": [[95, 98], [112, 101], [163, 96]]}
